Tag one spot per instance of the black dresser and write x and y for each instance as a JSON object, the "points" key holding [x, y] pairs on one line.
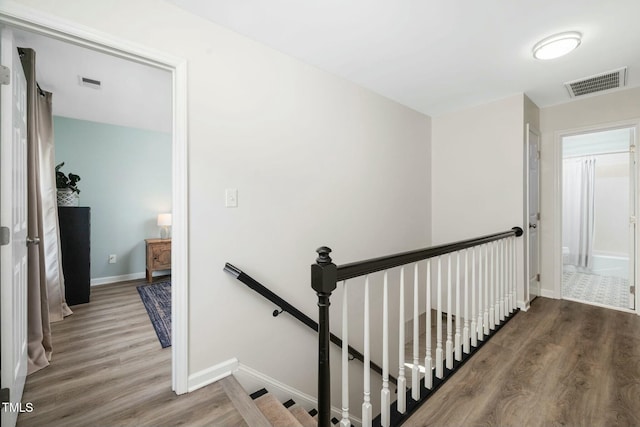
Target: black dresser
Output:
{"points": [[75, 232]]}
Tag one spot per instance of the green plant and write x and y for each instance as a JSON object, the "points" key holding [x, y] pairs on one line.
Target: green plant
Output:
{"points": [[63, 181]]}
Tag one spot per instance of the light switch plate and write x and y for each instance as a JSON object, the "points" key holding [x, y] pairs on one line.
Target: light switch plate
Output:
{"points": [[231, 198]]}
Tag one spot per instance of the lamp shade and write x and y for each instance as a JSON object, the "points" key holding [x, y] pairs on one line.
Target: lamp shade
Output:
{"points": [[164, 219]]}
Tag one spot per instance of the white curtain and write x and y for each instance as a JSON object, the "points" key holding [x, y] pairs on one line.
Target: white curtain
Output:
{"points": [[578, 210]]}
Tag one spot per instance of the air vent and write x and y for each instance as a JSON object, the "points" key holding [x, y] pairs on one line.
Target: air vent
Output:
{"points": [[598, 83], [92, 83]]}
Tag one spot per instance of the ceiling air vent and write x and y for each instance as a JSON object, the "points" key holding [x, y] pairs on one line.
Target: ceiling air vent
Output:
{"points": [[604, 81], [92, 83]]}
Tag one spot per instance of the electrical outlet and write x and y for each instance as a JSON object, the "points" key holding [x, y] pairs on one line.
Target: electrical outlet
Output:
{"points": [[113, 259]]}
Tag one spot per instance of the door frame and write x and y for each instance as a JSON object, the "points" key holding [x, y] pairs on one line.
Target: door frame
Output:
{"points": [[557, 183], [28, 19]]}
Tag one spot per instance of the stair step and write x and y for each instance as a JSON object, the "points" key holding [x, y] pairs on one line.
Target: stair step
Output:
{"points": [[303, 416], [241, 401], [275, 412]]}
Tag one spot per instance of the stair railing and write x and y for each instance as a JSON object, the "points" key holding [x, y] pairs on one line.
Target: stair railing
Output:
{"points": [[487, 272], [286, 307]]}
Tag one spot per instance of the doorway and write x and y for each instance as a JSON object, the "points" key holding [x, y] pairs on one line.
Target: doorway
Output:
{"points": [[24, 20], [598, 217]]}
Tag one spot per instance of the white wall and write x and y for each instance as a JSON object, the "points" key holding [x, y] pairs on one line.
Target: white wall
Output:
{"points": [[316, 160], [477, 171], [591, 113]]}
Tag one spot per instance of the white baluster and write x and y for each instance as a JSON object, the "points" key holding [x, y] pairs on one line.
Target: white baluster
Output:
{"points": [[492, 300], [503, 275], [474, 324], [385, 395], [366, 405], [509, 275], [345, 422], [496, 279], [428, 362], [465, 331], [457, 345], [480, 294], [449, 358], [402, 381], [439, 367], [415, 372], [514, 294], [487, 285]]}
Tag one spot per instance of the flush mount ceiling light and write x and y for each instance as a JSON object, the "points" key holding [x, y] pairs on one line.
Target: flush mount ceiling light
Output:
{"points": [[557, 45]]}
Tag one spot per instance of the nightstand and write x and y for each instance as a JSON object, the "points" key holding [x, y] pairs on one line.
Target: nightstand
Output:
{"points": [[158, 256]]}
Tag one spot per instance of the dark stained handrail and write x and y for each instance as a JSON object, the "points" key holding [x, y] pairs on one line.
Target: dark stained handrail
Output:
{"points": [[356, 269], [287, 307]]}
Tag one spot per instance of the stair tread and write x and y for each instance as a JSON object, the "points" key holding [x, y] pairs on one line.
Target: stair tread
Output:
{"points": [[275, 412], [303, 416], [243, 403]]}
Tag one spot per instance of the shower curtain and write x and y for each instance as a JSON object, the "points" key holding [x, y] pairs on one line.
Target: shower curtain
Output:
{"points": [[46, 300], [578, 210]]}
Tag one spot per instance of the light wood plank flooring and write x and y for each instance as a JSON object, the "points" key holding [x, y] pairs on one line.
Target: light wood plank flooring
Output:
{"points": [[108, 369], [560, 363]]}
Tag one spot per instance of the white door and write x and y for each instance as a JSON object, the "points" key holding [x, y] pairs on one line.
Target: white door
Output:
{"points": [[533, 212], [13, 219]]}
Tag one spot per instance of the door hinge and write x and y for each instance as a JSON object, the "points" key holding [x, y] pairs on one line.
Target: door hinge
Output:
{"points": [[538, 154], [5, 75], [632, 289], [632, 148], [5, 236], [538, 277], [538, 216], [632, 220], [5, 395]]}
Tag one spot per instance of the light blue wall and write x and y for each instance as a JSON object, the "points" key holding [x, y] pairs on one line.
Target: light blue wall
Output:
{"points": [[126, 180]]}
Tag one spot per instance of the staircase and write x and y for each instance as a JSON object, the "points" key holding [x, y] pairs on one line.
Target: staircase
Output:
{"points": [[263, 409]]}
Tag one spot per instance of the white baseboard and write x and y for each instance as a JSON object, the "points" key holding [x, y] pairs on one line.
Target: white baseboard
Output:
{"points": [[211, 375], [549, 293], [125, 277]]}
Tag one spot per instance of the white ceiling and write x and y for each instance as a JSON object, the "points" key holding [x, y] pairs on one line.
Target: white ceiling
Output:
{"points": [[438, 56], [434, 56], [131, 94]]}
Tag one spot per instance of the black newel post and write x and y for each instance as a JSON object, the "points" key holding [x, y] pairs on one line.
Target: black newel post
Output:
{"points": [[324, 275]]}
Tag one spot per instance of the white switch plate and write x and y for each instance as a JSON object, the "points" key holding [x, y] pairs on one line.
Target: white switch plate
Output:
{"points": [[231, 198], [113, 259]]}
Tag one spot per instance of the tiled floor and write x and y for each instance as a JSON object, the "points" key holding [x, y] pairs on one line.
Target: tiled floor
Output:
{"points": [[607, 290]]}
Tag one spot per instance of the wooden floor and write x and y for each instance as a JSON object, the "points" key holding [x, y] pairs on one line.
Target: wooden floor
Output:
{"points": [[108, 369], [560, 363]]}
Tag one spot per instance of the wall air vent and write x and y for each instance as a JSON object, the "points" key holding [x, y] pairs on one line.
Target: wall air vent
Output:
{"points": [[598, 83], [92, 83]]}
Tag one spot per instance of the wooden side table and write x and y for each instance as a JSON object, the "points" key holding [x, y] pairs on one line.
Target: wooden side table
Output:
{"points": [[158, 256]]}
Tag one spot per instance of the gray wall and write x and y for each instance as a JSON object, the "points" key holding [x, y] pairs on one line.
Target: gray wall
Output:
{"points": [[126, 180]]}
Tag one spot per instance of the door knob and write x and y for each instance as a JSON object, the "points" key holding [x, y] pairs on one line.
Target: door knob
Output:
{"points": [[33, 241], [533, 225]]}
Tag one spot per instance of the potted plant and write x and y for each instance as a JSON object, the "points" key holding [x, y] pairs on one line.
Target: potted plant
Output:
{"points": [[68, 191]]}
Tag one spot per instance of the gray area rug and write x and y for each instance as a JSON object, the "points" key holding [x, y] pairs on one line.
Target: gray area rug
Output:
{"points": [[157, 300], [607, 290]]}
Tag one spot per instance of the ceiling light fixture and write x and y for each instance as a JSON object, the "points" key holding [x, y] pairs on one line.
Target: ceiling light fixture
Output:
{"points": [[557, 45]]}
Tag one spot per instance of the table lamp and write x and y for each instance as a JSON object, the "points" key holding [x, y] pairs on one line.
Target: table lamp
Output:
{"points": [[164, 222]]}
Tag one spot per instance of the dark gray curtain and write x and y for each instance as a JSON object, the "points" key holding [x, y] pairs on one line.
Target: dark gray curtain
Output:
{"points": [[46, 301]]}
